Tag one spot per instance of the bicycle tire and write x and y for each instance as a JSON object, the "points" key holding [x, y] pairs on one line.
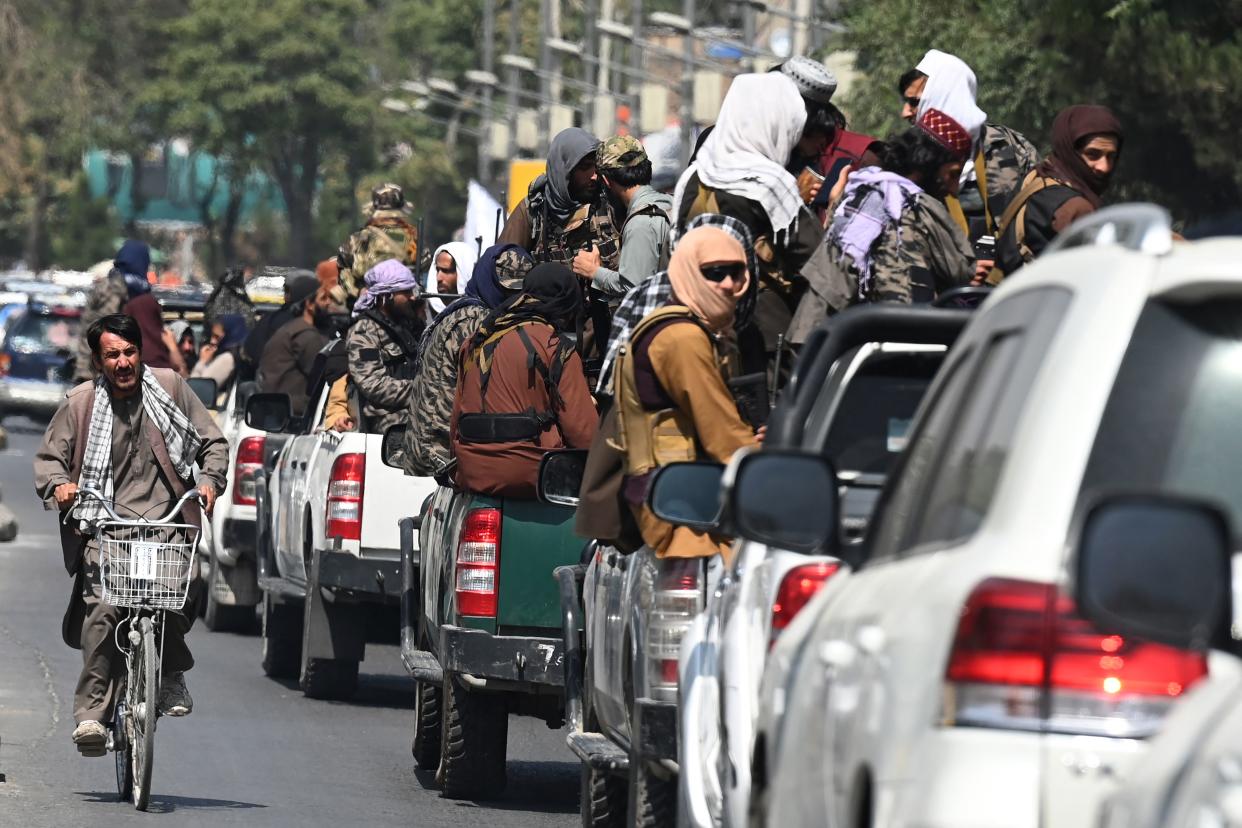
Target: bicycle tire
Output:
{"points": [[146, 687], [121, 745]]}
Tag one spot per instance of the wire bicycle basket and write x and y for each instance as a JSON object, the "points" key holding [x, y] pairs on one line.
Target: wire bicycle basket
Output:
{"points": [[146, 565]]}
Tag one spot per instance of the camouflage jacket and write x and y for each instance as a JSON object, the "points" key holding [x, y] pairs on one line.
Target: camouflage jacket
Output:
{"points": [[380, 369], [388, 235], [108, 295], [431, 405], [1007, 158], [913, 260]]}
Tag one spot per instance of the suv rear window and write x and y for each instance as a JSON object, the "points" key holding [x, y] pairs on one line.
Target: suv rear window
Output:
{"points": [[1171, 423], [37, 333], [870, 425]]}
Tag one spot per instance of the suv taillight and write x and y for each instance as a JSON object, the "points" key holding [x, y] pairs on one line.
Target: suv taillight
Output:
{"points": [[676, 598], [797, 588], [478, 563], [249, 462], [1024, 659], [344, 518], [6, 362]]}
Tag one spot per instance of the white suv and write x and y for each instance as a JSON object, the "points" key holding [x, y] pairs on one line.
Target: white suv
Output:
{"points": [[951, 680]]}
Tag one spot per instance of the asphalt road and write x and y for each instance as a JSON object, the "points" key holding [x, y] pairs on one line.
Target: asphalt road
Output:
{"points": [[254, 752]]}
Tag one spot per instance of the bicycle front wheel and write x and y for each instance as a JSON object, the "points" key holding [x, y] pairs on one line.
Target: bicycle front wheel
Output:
{"points": [[143, 713]]}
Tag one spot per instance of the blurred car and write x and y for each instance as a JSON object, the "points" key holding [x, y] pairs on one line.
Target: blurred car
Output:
{"points": [[953, 678], [35, 362], [10, 312]]}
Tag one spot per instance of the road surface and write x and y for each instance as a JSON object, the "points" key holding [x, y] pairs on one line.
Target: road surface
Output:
{"points": [[254, 752]]}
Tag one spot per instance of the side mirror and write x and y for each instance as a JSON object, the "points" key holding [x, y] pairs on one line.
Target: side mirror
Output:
{"points": [[269, 412], [560, 476], [786, 499], [245, 390], [687, 494], [393, 447], [1158, 568], [205, 389]]}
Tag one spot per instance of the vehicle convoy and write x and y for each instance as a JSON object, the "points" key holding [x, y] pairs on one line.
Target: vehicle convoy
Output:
{"points": [[955, 678], [35, 360], [328, 543], [851, 397], [230, 561], [481, 629]]}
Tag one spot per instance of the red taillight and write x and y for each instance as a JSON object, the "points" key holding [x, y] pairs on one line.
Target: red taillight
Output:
{"points": [[6, 362], [249, 462], [797, 588], [478, 563], [344, 518], [1023, 658], [676, 598]]}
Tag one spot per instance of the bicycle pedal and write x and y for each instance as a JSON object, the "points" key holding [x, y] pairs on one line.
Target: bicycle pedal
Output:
{"points": [[93, 751]]}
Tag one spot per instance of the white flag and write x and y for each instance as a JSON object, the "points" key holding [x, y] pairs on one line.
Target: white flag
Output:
{"points": [[481, 226]]}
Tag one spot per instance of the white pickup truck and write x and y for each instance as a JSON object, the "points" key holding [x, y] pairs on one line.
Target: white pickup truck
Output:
{"points": [[329, 544]]}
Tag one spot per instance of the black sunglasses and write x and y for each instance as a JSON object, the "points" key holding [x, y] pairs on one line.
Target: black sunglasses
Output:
{"points": [[913, 103], [720, 272]]}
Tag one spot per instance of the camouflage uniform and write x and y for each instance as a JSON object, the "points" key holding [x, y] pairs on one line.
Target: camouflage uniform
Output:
{"points": [[108, 295], [921, 256], [381, 371], [1007, 158], [431, 405], [388, 235]]}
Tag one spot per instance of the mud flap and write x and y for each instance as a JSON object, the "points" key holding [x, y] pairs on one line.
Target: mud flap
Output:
{"points": [[331, 630]]}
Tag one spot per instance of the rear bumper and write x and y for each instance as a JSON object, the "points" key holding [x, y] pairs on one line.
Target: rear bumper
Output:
{"points": [[365, 580], [1006, 779], [523, 659], [19, 396]]}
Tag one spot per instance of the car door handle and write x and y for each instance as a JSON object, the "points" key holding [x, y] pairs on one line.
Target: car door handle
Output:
{"points": [[837, 655]]}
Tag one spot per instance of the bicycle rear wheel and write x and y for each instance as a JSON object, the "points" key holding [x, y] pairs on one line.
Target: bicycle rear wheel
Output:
{"points": [[143, 712], [121, 745]]}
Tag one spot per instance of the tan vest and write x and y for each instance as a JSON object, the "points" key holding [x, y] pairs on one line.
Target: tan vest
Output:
{"points": [[650, 439]]}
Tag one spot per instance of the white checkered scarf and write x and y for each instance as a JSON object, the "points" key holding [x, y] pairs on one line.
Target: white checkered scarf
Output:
{"points": [[654, 293], [180, 438]]}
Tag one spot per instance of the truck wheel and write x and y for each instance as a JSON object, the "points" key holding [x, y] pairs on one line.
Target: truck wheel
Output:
{"points": [[282, 638], [603, 796], [329, 678], [653, 799], [427, 726], [224, 617], [475, 738]]}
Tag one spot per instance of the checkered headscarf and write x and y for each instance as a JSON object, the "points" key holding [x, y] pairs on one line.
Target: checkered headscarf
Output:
{"points": [[655, 292]]}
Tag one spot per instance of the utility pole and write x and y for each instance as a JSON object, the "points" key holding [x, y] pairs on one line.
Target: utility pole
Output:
{"points": [[545, 70], [511, 93], [687, 82], [636, 64], [605, 51], [748, 34], [489, 65], [590, 62]]}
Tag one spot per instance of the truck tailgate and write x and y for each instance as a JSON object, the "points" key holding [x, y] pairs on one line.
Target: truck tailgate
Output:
{"points": [[388, 495], [535, 539]]}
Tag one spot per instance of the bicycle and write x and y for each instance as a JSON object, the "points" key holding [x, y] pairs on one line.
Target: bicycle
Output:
{"points": [[145, 566]]}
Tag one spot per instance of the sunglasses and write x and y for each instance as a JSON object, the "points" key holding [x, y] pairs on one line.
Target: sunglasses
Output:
{"points": [[720, 272], [913, 103]]}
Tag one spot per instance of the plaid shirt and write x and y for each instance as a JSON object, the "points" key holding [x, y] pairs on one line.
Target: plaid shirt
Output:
{"points": [[655, 293]]}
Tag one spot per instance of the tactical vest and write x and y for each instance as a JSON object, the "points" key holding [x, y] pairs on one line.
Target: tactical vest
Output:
{"points": [[386, 236], [590, 225], [489, 427], [650, 439], [1015, 217], [403, 366]]}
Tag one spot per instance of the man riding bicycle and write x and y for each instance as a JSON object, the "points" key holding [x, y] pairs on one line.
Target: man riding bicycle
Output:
{"points": [[135, 434]]}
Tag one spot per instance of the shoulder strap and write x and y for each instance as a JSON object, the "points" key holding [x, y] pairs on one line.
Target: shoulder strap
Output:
{"points": [[402, 340], [650, 210]]}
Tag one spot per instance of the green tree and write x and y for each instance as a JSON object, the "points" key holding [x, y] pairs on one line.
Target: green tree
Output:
{"points": [[1167, 68], [286, 79]]}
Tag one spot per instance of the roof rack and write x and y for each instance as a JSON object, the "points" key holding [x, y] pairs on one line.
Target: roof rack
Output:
{"points": [[1142, 228]]}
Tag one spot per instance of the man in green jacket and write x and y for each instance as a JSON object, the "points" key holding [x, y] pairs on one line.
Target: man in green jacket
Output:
{"points": [[626, 170]]}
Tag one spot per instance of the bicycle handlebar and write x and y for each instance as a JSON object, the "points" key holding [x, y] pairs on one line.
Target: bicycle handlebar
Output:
{"points": [[176, 509]]}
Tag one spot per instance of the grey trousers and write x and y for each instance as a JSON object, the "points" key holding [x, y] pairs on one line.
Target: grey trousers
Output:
{"points": [[102, 662]]}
